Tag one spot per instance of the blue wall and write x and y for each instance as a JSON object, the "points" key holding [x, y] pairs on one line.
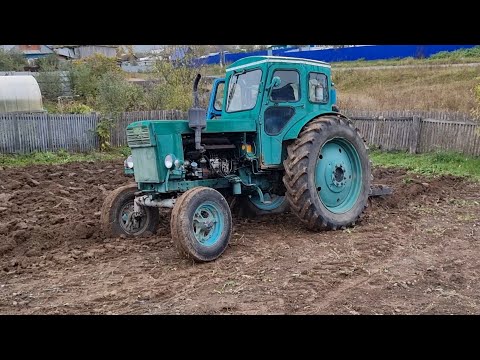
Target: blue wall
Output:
{"points": [[375, 52]]}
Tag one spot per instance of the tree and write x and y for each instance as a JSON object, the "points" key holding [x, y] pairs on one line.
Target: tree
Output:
{"points": [[85, 75], [174, 90]]}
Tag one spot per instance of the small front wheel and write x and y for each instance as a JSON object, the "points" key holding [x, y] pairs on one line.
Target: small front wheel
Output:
{"points": [[118, 217], [201, 224]]}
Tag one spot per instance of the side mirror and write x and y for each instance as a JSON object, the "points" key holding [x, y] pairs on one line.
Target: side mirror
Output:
{"points": [[276, 81]]}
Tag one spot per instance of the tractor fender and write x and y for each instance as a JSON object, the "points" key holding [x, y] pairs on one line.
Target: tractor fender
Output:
{"points": [[295, 128]]}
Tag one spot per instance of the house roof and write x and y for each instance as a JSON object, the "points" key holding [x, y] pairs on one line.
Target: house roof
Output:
{"points": [[76, 46], [33, 49]]}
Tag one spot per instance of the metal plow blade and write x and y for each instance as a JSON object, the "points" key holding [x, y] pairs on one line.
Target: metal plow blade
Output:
{"points": [[380, 190]]}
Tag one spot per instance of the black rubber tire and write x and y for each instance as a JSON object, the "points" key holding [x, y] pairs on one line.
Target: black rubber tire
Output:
{"points": [[299, 178], [111, 207], [181, 224], [248, 209]]}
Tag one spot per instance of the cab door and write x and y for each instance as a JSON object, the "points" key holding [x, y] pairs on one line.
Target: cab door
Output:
{"points": [[281, 104]]}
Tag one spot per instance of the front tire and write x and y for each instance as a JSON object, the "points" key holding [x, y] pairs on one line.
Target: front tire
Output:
{"points": [[201, 224], [328, 174], [117, 214]]}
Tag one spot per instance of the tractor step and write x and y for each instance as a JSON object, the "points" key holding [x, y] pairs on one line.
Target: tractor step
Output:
{"points": [[380, 190]]}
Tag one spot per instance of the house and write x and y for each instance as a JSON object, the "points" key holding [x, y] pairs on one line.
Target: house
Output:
{"points": [[30, 52], [82, 51]]}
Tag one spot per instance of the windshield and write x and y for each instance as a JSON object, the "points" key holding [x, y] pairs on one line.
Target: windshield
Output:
{"points": [[243, 91]]}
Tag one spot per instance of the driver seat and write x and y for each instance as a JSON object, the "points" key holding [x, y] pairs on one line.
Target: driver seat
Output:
{"points": [[285, 93]]}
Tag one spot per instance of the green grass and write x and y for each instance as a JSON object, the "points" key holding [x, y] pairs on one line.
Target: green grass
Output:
{"points": [[60, 157], [461, 56], [430, 164], [437, 89]]}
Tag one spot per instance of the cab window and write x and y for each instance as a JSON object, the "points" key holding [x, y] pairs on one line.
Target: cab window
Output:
{"points": [[217, 105], [317, 88], [288, 90], [243, 90]]}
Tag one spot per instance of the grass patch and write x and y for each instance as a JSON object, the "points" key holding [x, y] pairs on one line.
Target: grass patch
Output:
{"points": [[461, 56], [426, 89], [60, 157], [430, 164]]}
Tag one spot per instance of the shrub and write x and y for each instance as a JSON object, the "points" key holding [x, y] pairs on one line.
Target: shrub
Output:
{"points": [[48, 62], [50, 83], [116, 94], [86, 74], [74, 107], [12, 61]]}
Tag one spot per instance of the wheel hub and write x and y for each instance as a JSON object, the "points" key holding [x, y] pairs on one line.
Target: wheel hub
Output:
{"points": [[338, 176], [130, 221], [337, 186], [206, 224]]}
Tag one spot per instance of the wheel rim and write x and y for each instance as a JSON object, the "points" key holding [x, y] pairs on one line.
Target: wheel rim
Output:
{"points": [[274, 201], [128, 222], [338, 175], [207, 224]]}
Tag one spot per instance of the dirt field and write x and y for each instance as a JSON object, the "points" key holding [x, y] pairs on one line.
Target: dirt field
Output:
{"points": [[416, 252]]}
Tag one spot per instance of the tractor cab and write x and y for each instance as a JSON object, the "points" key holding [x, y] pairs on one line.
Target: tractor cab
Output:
{"points": [[276, 95]]}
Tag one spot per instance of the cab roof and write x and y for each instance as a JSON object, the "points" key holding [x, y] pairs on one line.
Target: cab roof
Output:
{"points": [[255, 60]]}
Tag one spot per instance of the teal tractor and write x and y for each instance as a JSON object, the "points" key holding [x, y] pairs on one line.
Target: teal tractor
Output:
{"points": [[271, 139]]}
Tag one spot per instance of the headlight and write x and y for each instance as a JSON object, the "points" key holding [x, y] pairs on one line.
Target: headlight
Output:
{"points": [[128, 163], [169, 160]]}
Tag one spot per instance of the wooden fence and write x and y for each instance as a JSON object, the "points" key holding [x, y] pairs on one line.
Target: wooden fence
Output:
{"points": [[26, 133], [119, 137], [414, 132]]}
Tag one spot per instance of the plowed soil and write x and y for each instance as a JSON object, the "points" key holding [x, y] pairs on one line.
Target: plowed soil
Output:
{"points": [[415, 252]]}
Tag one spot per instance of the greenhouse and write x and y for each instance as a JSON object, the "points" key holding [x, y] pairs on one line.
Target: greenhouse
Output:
{"points": [[20, 94]]}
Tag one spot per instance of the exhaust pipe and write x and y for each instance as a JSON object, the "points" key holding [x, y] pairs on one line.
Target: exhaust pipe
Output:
{"points": [[195, 91], [197, 117]]}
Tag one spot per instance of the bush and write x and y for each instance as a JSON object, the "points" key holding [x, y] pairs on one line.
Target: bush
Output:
{"points": [[116, 94], [50, 83], [12, 61], [47, 63], [86, 74], [74, 107], [174, 90]]}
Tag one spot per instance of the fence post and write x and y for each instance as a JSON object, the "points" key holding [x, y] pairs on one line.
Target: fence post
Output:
{"points": [[49, 133], [16, 134], [415, 135]]}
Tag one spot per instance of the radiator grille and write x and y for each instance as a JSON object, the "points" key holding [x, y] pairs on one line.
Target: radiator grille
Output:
{"points": [[138, 136]]}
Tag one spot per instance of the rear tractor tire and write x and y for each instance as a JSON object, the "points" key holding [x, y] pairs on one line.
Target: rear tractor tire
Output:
{"points": [[251, 206], [328, 174], [201, 224], [117, 214]]}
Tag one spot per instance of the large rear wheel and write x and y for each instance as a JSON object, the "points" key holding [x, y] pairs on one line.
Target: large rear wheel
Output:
{"points": [[328, 174], [250, 206]]}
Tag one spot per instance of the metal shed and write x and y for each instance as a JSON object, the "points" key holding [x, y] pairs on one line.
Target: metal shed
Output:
{"points": [[20, 94]]}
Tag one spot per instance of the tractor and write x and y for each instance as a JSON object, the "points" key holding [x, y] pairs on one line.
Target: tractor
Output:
{"points": [[271, 140]]}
